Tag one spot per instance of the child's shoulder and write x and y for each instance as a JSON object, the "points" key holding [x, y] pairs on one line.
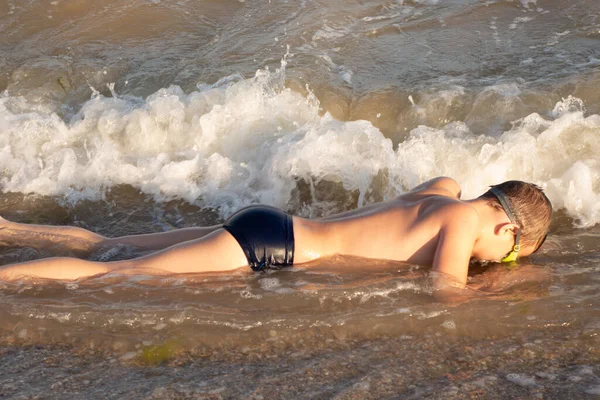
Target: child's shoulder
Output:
{"points": [[442, 208], [447, 209], [441, 185]]}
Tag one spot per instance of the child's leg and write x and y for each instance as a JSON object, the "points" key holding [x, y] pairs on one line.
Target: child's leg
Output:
{"points": [[82, 242], [64, 268], [160, 240], [218, 251], [78, 240]]}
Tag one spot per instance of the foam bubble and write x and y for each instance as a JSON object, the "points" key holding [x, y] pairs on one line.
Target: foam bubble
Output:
{"points": [[269, 284], [449, 324], [384, 293], [527, 3], [521, 380]]}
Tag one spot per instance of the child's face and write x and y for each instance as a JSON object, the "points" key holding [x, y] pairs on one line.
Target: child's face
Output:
{"points": [[493, 247], [491, 254], [496, 248]]}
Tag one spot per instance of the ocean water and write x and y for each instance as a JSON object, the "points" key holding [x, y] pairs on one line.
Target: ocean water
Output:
{"points": [[150, 115]]}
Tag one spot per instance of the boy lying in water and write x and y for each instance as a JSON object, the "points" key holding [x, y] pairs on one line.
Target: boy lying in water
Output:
{"points": [[429, 225]]}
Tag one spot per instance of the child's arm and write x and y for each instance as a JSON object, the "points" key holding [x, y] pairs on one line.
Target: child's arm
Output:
{"points": [[455, 245]]}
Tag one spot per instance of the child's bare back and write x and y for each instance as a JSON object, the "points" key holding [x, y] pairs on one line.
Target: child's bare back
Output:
{"points": [[403, 229], [429, 225]]}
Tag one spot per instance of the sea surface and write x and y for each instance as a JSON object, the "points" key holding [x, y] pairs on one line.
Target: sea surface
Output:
{"points": [[138, 116]]}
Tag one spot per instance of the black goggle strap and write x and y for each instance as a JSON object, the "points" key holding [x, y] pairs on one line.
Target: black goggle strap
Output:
{"points": [[505, 203]]}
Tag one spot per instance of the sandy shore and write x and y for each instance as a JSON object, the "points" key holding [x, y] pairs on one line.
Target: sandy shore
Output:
{"points": [[403, 368]]}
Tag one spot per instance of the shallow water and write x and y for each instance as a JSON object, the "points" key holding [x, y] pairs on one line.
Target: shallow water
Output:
{"points": [[142, 116]]}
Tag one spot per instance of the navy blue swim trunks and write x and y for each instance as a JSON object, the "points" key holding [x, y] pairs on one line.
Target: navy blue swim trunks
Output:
{"points": [[265, 234]]}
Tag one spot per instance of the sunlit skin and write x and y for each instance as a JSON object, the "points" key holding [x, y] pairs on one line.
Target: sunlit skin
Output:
{"points": [[428, 225]]}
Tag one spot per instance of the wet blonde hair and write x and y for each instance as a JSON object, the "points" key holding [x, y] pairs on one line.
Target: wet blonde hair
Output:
{"points": [[532, 208]]}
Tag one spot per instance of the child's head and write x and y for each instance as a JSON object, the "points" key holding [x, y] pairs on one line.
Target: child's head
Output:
{"points": [[532, 210]]}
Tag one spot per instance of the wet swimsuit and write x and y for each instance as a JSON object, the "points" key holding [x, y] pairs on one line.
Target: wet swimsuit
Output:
{"points": [[266, 234]]}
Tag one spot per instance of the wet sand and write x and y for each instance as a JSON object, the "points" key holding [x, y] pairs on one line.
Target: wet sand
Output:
{"points": [[432, 367]]}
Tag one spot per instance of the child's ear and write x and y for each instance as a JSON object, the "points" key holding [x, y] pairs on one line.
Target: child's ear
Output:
{"points": [[508, 228]]}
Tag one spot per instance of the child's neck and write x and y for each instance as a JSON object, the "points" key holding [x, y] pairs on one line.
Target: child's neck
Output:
{"points": [[489, 217]]}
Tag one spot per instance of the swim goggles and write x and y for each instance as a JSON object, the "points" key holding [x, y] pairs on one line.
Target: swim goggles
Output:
{"points": [[505, 203]]}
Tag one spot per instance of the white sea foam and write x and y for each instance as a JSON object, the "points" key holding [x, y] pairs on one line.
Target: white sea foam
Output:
{"points": [[243, 141], [384, 293]]}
